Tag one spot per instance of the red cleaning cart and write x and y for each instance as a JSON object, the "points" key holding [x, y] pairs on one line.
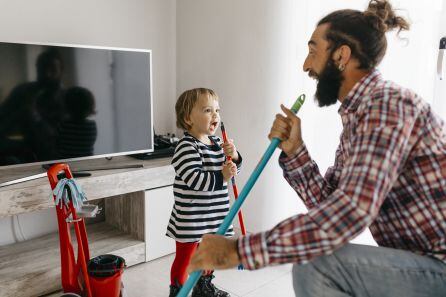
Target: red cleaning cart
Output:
{"points": [[74, 271]]}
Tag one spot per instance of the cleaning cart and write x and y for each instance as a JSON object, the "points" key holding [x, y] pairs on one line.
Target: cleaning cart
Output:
{"points": [[97, 277]]}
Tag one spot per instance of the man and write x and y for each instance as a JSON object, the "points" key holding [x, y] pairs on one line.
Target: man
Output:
{"points": [[389, 175]]}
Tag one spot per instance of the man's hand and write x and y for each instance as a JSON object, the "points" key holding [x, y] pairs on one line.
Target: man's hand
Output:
{"points": [[288, 130], [214, 252]]}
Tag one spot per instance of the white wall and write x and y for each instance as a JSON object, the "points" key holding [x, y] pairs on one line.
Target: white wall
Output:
{"points": [[246, 52], [146, 24]]}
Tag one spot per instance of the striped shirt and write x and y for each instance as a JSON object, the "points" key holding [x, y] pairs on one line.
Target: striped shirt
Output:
{"points": [[389, 175], [76, 138], [201, 194]]}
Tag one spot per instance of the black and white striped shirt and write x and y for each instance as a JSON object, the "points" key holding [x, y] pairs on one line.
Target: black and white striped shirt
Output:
{"points": [[201, 194], [76, 138]]}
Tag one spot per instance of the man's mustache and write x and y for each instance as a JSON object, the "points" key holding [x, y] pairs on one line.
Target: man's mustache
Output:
{"points": [[313, 74]]}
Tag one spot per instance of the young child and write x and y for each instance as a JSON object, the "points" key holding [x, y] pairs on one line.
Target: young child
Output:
{"points": [[200, 187]]}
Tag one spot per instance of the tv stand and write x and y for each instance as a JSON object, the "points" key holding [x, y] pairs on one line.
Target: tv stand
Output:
{"points": [[23, 179], [136, 203], [62, 175], [77, 172]]}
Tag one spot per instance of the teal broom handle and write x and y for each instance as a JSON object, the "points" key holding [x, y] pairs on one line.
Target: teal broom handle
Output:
{"points": [[194, 276]]}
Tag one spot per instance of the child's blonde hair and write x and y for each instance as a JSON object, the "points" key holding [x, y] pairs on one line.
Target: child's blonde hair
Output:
{"points": [[186, 103]]}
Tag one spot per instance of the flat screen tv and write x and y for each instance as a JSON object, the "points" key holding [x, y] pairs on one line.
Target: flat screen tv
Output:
{"points": [[64, 103]]}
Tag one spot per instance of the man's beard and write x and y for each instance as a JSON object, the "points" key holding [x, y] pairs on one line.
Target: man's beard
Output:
{"points": [[328, 85]]}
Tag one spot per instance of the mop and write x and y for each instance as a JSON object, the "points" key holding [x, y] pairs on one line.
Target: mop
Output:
{"points": [[61, 193], [193, 279], [70, 208], [69, 197], [234, 189]]}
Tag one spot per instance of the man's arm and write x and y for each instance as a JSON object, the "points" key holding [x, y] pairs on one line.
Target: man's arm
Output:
{"points": [[303, 175], [301, 172], [378, 151]]}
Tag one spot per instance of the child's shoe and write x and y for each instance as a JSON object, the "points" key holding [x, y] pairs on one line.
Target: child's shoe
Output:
{"points": [[205, 288], [174, 290]]}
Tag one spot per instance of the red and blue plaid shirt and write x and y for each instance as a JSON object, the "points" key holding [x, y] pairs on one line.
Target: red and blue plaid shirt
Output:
{"points": [[389, 175]]}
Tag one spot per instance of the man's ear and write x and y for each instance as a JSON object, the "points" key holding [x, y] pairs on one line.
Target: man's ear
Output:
{"points": [[342, 55]]}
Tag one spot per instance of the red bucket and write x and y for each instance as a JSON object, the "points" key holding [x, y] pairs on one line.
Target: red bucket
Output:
{"points": [[105, 273]]}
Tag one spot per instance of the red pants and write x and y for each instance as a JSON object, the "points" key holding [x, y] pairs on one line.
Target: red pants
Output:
{"points": [[184, 252]]}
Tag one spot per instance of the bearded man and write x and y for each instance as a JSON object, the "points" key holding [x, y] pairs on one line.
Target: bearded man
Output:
{"points": [[389, 176]]}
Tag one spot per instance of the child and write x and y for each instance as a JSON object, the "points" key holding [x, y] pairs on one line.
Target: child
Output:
{"points": [[200, 187]]}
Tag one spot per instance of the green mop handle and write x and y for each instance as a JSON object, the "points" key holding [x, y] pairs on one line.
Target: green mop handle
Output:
{"points": [[193, 278]]}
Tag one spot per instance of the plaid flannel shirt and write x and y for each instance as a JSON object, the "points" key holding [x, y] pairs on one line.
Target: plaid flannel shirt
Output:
{"points": [[389, 175]]}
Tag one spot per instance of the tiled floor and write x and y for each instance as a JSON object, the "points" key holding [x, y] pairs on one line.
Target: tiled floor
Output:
{"points": [[152, 279]]}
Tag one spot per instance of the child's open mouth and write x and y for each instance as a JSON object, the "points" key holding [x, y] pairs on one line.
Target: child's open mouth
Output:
{"points": [[214, 125]]}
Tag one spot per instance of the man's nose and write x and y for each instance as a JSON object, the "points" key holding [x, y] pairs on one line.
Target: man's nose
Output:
{"points": [[306, 65]]}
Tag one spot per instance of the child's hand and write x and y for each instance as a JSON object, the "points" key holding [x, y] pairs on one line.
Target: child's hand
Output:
{"points": [[230, 150], [229, 170]]}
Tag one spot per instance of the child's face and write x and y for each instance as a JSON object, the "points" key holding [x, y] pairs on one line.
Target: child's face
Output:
{"points": [[205, 116]]}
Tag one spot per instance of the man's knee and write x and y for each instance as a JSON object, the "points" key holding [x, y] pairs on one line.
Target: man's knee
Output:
{"points": [[315, 269], [302, 272], [317, 276], [305, 279]]}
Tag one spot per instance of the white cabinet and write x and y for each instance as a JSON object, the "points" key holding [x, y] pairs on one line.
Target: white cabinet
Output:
{"points": [[158, 206]]}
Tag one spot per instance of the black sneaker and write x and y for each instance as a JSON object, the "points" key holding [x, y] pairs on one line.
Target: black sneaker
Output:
{"points": [[205, 288], [174, 290]]}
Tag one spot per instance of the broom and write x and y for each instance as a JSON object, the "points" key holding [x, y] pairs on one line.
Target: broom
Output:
{"points": [[234, 189]]}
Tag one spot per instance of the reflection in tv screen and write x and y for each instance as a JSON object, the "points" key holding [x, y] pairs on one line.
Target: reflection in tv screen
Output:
{"points": [[63, 102]]}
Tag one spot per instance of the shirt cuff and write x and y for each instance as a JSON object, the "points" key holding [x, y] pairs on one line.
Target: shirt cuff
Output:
{"points": [[299, 158], [253, 252]]}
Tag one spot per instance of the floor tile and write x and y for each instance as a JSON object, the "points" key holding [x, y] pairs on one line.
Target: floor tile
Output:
{"points": [[281, 287], [148, 279], [242, 282], [152, 280]]}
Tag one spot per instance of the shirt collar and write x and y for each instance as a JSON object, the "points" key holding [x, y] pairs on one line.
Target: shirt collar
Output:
{"points": [[211, 137], [359, 90]]}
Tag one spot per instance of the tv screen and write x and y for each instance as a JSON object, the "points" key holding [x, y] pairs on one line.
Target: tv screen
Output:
{"points": [[61, 103]]}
